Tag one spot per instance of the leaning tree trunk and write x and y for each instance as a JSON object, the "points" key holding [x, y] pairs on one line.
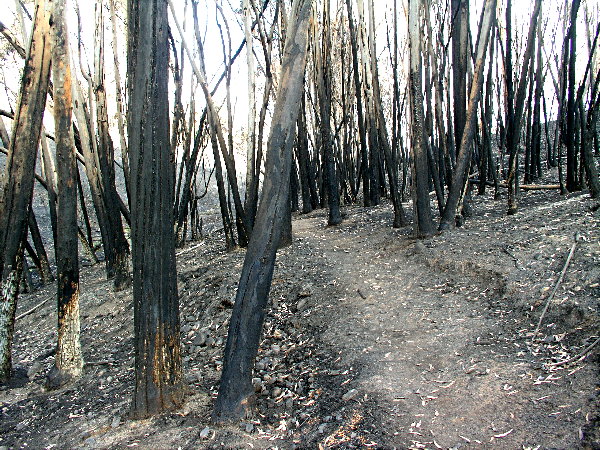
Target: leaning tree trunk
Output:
{"points": [[68, 363], [513, 132], [17, 190], [158, 374], [235, 390], [463, 162], [119, 255]]}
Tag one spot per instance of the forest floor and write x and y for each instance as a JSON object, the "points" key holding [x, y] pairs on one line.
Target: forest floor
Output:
{"points": [[373, 340]]}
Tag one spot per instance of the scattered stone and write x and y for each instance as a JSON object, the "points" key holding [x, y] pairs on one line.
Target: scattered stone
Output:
{"points": [[115, 422], [34, 369], [276, 392], [200, 340], [352, 393], [249, 428], [419, 248], [205, 433], [301, 306], [85, 435], [305, 291], [257, 383], [90, 442]]}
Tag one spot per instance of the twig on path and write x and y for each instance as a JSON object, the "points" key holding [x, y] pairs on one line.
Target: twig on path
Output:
{"points": [[189, 249], [576, 357], [577, 238], [34, 309], [100, 363]]}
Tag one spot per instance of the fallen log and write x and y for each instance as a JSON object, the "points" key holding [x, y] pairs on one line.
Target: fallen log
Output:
{"points": [[524, 187]]}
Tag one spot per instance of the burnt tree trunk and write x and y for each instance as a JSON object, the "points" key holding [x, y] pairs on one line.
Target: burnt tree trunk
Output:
{"points": [[118, 256], [17, 189], [362, 133], [68, 362], [158, 374], [235, 390], [515, 120], [463, 162], [324, 91], [423, 223]]}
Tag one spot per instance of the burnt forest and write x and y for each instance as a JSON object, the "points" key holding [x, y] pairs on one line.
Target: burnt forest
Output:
{"points": [[300, 224]]}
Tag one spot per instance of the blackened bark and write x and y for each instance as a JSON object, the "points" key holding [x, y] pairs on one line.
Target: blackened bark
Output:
{"points": [[245, 327], [19, 175], [158, 374], [573, 182], [460, 60], [515, 110], [364, 153], [324, 91], [460, 177], [423, 224], [68, 363], [36, 238], [118, 256]]}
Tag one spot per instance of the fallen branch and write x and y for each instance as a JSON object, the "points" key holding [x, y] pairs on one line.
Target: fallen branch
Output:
{"points": [[533, 187], [34, 309], [524, 187], [189, 249], [577, 238], [576, 357], [100, 363]]}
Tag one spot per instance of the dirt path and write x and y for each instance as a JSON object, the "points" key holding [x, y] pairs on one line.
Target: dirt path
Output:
{"points": [[441, 362]]}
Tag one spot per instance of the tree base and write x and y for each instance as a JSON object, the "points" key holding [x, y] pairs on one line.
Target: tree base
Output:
{"points": [[57, 378], [231, 411], [170, 400]]}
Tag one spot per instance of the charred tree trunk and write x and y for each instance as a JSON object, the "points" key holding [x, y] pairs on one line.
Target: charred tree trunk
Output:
{"points": [[118, 256], [573, 182], [364, 152], [324, 91], [17, 190], [158, 374], [423, 224], [68, 363], [463, 162], [235, 389], [514, 122]]}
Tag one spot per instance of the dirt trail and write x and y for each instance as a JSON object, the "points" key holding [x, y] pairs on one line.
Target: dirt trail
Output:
{"points": [[440, 360]]}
